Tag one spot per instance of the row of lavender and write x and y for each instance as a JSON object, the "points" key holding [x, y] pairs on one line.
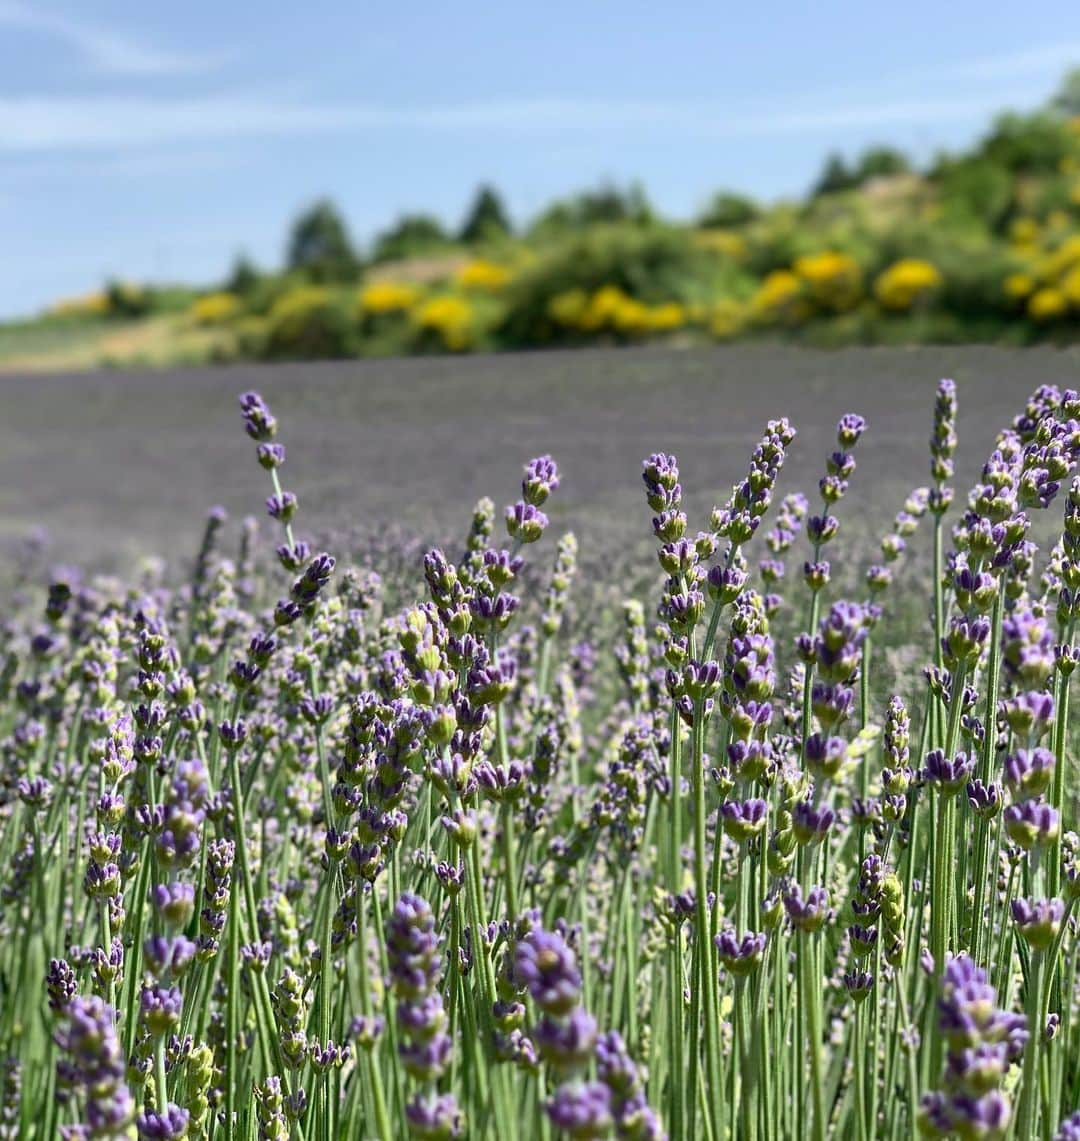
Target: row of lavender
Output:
{"points": [[280, 864]]}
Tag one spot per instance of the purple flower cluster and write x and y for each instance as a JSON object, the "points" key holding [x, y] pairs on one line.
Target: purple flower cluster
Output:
{"points": [[93, 1071], [983, 1042], [415, 964]]}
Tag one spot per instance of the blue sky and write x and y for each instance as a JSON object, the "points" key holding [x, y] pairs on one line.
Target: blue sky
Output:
{"points": [[156, 140]]}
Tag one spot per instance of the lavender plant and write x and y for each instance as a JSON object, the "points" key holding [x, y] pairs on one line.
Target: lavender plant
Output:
{"points": [[290, 856]]}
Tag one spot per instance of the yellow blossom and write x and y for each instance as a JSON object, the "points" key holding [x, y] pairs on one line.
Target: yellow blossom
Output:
{"points": [[448, 318], [1047, 305], [1019, 285], [727, 319], [833, 280], [780, 298], [722, 242], [667, 317], [906, 283], [215, 309], [569, 307], [382, 297], [482, 276]]}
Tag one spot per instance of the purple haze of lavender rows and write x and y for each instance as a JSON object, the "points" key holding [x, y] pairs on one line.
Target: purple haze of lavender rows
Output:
{"points": [[538, 853]]}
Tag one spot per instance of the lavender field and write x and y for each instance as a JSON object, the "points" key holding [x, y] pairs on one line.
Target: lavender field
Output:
{"points": [[714, 778]]}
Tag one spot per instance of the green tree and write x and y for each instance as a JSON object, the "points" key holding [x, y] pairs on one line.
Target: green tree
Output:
{"points": [[1028, 144], [409, 236], [605, 205], [834, 176], [877, 162], [486, 218], [728, 209], [320, 246], [1066, 100], [243, 277]]}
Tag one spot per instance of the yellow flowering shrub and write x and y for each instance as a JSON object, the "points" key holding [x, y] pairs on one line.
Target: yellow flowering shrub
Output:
{"points": [[569, 307], [309, 322], [480, 276], [1019, 285], [1070, 288], [1056, 264], [94, 304], [382, 297], [906, 283], [1046, 305], [722, 242], [727, 319], [833, 280], [215, 309], [1024, 231], [779, 299], [448, 319], [666, 318]]}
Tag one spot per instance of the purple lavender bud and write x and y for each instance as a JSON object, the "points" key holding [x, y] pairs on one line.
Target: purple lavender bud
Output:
{"points": [[546, 967], [525, 522], [858, 985], [61, 985], [271, 455], [742, 820], [1069, 1129], [811, 824], [863, 940], [174, 903], [566, 1044], [160, 1008], [434, 1117], [168, 956], [741, 957], [1027, 647], [282, 507], [987, 1116], [1031, 824], [807, 915], [1028, 772], [581, 1110], [948, 777], [849, 429], [541, 479], [985, 800], [172, 1125], [1029, 714], [292, 558], [260, 424], [1038, 920]]}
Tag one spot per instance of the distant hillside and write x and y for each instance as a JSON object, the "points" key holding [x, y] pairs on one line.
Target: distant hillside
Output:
{"points": [[982, 246]]}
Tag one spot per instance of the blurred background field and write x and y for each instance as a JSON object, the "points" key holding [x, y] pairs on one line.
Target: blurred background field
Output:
{"points": [[116, 466], [980, 245]]}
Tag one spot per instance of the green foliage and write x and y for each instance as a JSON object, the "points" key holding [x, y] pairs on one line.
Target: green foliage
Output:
{"points": [[728, 209], [310, 323], [879, 162], [975, 191], [486, 219], [1066, 100], [320, 246], [244, 277], [834, 176], [1028, 144], [126, 299], [651, 264], [412, 235], [604, 205]]}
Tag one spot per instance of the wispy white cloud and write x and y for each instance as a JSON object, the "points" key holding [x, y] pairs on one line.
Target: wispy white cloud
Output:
{"points": [[117, 123], [1045, 59], [105, 50]]}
